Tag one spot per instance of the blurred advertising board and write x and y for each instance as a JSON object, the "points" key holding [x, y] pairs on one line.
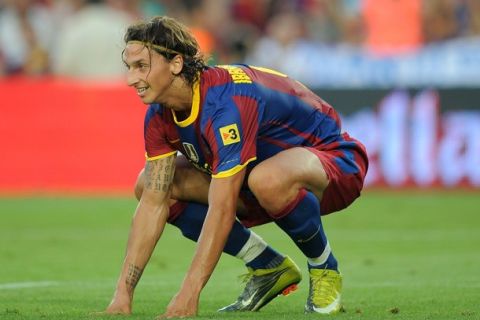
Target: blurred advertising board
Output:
{"points": [[454, 63], [59, 135], [422, 137], [67, 136]]}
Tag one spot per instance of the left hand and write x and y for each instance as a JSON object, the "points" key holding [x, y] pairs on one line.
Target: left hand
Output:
{"points": [[182, 305]]}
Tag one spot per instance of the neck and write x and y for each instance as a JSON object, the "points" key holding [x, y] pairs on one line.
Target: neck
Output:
{"points": [[181, 96]]}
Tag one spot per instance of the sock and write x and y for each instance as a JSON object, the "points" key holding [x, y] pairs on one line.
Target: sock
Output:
{"points": [[304, 226], [258, 255], [241, 243], [190, 223]]}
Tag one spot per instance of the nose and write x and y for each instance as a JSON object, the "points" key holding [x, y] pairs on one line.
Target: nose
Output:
{"points": [[132, 79]]}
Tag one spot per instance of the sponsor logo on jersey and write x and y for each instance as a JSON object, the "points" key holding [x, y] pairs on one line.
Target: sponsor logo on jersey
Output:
{"points": [[190, 151], [237, 74], [230, 134]]}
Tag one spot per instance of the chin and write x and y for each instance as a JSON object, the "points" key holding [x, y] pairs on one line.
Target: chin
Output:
{"points": [[147, 100], [152, 99]]}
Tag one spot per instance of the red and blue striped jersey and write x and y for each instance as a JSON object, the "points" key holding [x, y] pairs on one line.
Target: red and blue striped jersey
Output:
{"points": [[242, 115]]}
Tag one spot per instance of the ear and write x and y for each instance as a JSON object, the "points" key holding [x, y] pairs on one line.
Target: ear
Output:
{"points": [[176, 65]]}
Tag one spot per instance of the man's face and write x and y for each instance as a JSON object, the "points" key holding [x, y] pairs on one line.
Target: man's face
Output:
{"points": [[148, 72]]}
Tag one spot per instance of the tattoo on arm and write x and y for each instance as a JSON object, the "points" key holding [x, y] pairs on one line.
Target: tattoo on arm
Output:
{"points": [[159, 174], [133, 276]]}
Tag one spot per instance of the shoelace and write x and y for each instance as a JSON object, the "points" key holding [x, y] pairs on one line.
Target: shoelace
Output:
{"points": [[254, 273], [322, 287], [246, 276]]}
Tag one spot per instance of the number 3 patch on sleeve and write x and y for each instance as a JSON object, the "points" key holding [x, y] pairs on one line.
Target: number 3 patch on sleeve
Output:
{"points": [[230, 134]]}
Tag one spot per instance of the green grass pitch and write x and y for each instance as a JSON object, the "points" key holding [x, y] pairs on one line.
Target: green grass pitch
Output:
{"points": [[404, 255]]}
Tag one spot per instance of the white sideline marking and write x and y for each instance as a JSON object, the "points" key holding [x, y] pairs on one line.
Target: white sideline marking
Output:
{"points": [[31, 284]]}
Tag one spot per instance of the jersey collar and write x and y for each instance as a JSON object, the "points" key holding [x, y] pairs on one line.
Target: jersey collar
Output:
{"points": [[195, 108]]}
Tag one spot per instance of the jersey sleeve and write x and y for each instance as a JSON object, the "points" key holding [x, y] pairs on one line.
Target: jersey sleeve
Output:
{"points": [[156, 146], [231, 132]]}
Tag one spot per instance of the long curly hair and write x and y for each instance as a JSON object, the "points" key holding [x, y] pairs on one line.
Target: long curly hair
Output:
{"points": [[169, 38]]}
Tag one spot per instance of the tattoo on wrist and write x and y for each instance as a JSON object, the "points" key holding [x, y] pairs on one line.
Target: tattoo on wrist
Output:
{"points": [[133, 276]]}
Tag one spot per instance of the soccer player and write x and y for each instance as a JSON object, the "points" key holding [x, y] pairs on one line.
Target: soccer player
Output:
{"points": [[261, 147]]}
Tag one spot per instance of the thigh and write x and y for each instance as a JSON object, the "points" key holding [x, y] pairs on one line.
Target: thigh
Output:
{"points": [[277, 181], [335, 176]]}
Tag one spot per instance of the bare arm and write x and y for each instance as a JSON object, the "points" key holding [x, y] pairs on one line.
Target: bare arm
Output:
{"points": [[147, 226], [223, 195]]}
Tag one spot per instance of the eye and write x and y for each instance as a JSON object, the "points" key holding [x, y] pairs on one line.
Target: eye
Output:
{"points": [[143, 66]]}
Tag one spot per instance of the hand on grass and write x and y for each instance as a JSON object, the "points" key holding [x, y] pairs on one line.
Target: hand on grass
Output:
{"points": [[182, 305], [119, 305]]}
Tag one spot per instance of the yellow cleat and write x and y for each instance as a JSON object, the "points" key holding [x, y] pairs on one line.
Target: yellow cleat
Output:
{"points": [[325, 291], [265, 284]]}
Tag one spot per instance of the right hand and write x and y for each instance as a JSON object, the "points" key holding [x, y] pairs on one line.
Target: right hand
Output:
{"points": [[120, 305]]}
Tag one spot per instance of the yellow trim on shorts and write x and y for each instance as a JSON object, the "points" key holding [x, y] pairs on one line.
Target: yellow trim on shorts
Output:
{"points": [[160, 156], [193, 111], [231, 172]]}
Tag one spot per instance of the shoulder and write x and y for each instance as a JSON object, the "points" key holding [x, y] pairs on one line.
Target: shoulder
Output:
{"points": [[213, 76], [222, 81], [155, 111], [234, 74]]}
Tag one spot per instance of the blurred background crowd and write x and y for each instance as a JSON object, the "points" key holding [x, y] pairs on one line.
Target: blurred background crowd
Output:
{"points": [[407, 70], [83, 38]]}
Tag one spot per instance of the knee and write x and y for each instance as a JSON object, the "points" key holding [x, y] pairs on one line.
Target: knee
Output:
{"points": [[181, 183], [177, 186], [271, 189], [189, 184]]}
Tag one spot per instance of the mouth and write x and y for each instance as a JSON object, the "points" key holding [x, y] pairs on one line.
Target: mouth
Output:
{"points": [[141, 91]]}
